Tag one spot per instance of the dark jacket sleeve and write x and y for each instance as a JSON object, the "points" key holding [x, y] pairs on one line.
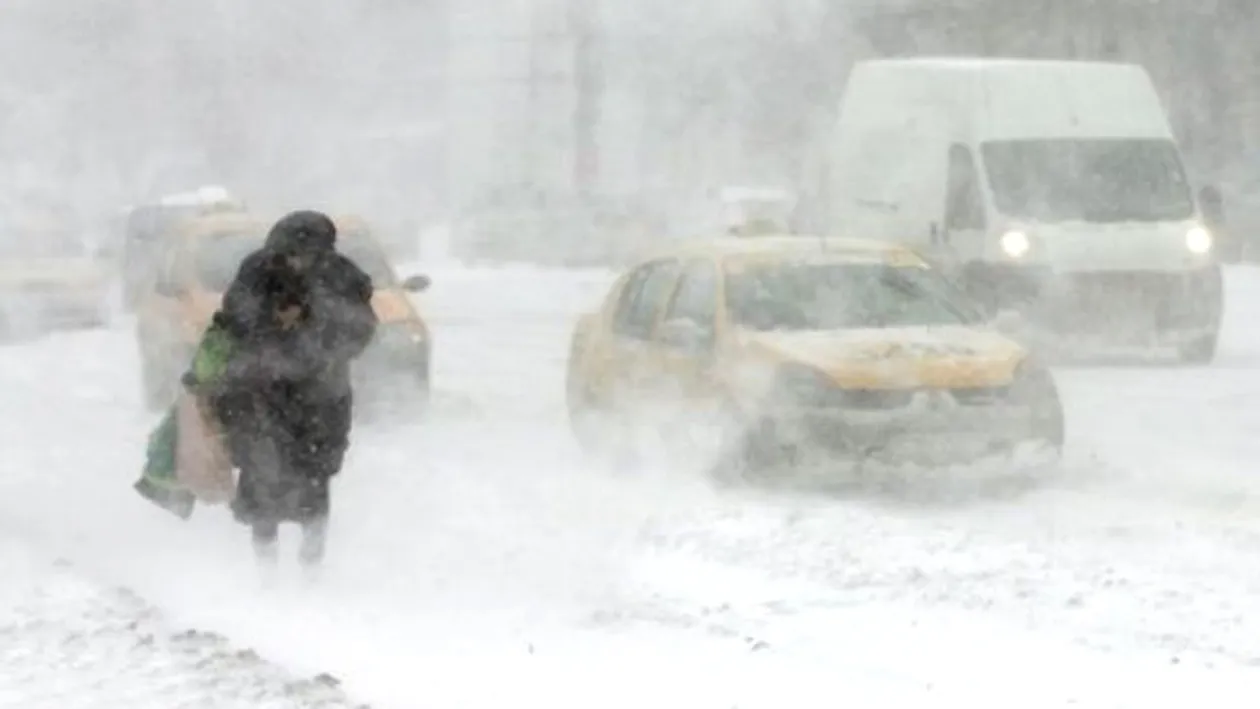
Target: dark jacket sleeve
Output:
{"points": [[245, 314], [242, 303], [351, 320]]}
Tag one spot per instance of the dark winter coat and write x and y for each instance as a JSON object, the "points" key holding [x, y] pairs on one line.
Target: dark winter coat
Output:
{"points": [[285, 402]]}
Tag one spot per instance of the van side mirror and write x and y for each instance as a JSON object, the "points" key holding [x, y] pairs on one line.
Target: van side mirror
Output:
{"points": [[417, 283]]}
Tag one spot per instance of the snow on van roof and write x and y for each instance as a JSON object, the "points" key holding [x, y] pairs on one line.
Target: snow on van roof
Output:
{"points": [[964, 63], [985, 99], [208, 194]]}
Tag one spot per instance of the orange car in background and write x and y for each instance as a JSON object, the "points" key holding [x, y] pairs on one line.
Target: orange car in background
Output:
{"points": [[204, 255]]}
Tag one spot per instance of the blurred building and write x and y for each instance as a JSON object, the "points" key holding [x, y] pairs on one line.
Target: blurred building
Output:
{"points": [[646, 108], [1201, 53]]}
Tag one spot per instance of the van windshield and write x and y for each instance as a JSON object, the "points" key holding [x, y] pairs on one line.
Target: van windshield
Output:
{"points": [[837, 296], [1092, 180]]}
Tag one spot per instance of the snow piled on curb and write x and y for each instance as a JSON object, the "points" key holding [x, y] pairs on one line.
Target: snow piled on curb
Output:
{"points": [[67, 642]]}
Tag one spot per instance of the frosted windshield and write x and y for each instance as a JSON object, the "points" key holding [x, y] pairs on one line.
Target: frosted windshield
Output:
{"points": [[1090, 180]]}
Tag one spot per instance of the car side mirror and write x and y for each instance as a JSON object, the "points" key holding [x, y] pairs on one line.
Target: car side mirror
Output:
{"points": [[684, 334], [417, 283]]}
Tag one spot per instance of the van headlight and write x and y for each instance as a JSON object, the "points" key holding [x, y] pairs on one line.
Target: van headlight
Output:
{"points": [[1015, 243], [1199, 240]]}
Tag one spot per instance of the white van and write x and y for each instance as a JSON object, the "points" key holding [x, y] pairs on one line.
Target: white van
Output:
{"points": [[1055, 188]]}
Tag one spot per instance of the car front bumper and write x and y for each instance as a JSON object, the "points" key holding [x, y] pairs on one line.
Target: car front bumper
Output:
{"points": [[934, 428], [394, 367]]}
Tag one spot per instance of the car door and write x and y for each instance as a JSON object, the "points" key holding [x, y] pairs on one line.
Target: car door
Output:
{"points": [[685, 343], [686, 349], [630, 358]]}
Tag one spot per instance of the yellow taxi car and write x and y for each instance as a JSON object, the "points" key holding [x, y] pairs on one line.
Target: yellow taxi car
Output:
{"points": [[199, 266], [49, 279], [141, 229], [789, 343]]}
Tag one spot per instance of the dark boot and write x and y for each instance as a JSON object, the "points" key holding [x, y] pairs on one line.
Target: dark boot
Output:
{"points": [[266, 538]]}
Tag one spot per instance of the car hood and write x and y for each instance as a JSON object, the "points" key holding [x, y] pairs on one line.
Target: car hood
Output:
{"points": [[893, 358]]}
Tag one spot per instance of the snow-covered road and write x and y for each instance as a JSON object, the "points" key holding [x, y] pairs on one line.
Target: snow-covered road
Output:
{"points": [[479, 561]]}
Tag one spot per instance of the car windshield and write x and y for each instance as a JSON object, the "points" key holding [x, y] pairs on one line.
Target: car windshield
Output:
{"points": [[369, 257], [219, 256], [1096, 180], [839, 296]]}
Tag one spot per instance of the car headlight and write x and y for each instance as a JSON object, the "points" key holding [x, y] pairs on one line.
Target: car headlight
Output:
{"points": [[1199, 240], [1015, 243], [399, 337], [415, 337]]}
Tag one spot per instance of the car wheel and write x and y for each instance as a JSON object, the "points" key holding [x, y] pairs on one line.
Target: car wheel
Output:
{"points": [[1037, 390], [585, 420], [752, 452], [604, 435], [423, 398]]}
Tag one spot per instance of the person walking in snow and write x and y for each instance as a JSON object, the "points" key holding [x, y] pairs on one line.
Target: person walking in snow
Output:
{"points": [[298, 313]]}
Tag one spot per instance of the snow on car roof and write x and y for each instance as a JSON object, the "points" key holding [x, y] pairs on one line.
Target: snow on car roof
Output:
{"points": [[209, 194], [205, 225], [798, 244]]}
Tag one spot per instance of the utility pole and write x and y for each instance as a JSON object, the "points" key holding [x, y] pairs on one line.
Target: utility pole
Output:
{"points": [[588, 87], [535, 107]]}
